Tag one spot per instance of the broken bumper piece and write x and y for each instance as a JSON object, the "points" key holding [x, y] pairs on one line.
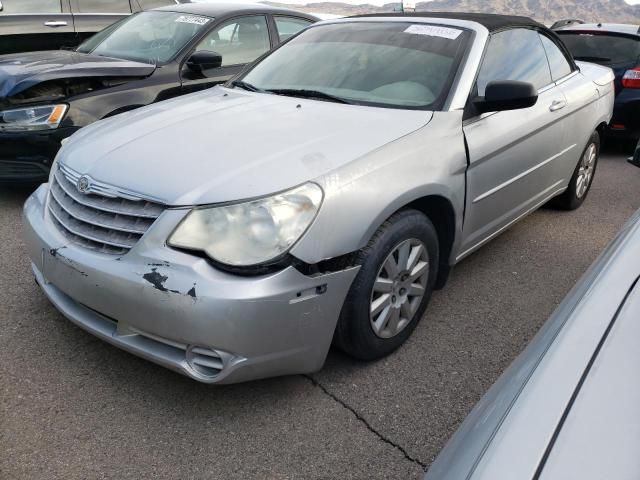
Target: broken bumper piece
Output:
{"points": [[176, 310]]}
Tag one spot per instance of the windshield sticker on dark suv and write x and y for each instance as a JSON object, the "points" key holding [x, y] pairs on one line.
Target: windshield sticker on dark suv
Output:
{"points": [[192, 19]]}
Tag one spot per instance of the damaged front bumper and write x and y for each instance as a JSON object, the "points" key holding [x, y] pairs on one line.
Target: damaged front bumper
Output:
{"points": [[176, 310]]}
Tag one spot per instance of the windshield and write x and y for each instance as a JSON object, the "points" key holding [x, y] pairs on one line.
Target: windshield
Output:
{"points": [[390, 64], [150, 37], [601, 48]]}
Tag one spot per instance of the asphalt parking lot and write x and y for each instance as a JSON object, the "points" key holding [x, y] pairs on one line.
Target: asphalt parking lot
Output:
{"points": [[73, 407]]}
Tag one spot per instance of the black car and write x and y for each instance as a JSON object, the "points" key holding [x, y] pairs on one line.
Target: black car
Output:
{"points": [[30, 25], [618, 47], [144, 58]]}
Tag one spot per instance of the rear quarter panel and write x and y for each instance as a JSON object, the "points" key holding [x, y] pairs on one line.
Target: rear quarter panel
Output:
{"points": [[590, 96]]}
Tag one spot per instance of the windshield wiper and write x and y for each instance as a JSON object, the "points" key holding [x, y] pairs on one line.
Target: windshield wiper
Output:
{"points": [[592, 59], [246, 86], [303, 93]]}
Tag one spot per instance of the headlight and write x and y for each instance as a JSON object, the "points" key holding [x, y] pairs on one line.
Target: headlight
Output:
{"points": [[32, 118], [250, 233]]}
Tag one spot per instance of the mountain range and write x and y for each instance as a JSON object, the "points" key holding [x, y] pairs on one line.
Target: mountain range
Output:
{"points": [[547, 11]]}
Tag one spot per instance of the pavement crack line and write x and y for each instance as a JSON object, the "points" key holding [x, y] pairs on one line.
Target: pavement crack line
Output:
{"points": [[364, 421]]}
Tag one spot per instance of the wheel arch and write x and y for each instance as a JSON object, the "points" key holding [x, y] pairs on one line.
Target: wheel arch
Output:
{"points": [[440, 211], [601, 129], [438, 208]]}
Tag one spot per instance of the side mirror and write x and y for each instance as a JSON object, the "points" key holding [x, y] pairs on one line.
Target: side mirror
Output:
{"points": [[1, 7], [204, 60], [504, 95]]}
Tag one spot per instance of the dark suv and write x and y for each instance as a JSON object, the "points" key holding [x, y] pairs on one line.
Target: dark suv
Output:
{"points": [[618, 47], [31, 25]]}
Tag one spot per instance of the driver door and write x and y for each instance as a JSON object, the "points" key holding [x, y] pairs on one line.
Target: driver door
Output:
{"points": [[512, 154], [239, 41]]}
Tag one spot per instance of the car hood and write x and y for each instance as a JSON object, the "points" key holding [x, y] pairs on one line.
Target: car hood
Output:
{"points": [[19, 72], [224, 144]]}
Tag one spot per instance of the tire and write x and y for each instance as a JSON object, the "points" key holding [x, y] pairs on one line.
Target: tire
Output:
{"points": [[577, 192], [410, 234]]}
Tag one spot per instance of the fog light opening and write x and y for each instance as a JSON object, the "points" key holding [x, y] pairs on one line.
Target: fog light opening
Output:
{"points": [[204, 361]]}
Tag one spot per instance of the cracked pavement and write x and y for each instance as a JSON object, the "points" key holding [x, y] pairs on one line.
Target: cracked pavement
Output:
{"points": [[72, 406]]}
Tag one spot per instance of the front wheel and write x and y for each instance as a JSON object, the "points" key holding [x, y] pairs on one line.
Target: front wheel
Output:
{"points": [[582, 178], [392, 289]]}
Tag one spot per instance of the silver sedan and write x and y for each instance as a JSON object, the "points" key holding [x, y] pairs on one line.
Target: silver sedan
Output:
{"points": [[318, 198]]}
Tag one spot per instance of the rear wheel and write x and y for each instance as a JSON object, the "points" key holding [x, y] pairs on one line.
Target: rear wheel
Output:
{"points": [[392, 289], [582, 178]]}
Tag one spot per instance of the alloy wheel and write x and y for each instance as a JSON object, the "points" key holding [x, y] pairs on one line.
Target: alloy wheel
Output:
{"points": [[586, 170], [399, 288]]}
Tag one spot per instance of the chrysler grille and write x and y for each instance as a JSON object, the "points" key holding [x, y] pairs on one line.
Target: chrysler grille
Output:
{"points": [[102, 221]]}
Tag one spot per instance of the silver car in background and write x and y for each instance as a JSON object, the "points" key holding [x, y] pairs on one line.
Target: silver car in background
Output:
{"points": [[568, 405], [320, 197]]}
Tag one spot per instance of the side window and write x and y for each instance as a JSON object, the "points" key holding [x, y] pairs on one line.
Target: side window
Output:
{"points": [[149, 4], [31, 6], [514, 55], [558, 63], [103, 6], [289, 26], [239, 41]]}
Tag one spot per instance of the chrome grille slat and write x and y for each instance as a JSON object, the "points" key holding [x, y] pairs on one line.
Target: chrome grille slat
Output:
{"points": [[90, 244], [107, 224], [104, 189], [108, 204], [74, 226], [102, 219]]}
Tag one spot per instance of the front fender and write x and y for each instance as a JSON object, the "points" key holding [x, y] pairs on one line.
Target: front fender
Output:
{"points": [[360, 196]]}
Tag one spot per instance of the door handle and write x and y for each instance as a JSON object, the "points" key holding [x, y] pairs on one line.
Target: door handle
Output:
{"points": [[557, 105], [54, 24]]}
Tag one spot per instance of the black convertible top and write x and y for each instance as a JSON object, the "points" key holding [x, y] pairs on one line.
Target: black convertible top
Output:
{"points": [[491, 21]]}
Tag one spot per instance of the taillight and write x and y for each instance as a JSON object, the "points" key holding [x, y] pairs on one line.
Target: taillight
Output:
{"points": [[631, 78]]}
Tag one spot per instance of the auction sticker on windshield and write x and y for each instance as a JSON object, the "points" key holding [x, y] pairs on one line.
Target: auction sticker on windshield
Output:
{"points": [[192, 19], [434, 31]]}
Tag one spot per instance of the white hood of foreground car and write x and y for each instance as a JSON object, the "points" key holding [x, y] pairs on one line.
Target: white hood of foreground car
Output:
{"points": [[228, 144]]}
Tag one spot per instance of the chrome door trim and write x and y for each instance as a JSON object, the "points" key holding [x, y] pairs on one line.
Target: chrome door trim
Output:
{"points": [[555, 191], [546, 88], [522, 175], [567, 77]]}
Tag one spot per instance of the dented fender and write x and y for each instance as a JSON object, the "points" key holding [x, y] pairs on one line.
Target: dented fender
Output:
{"points": [[431, 161]]}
